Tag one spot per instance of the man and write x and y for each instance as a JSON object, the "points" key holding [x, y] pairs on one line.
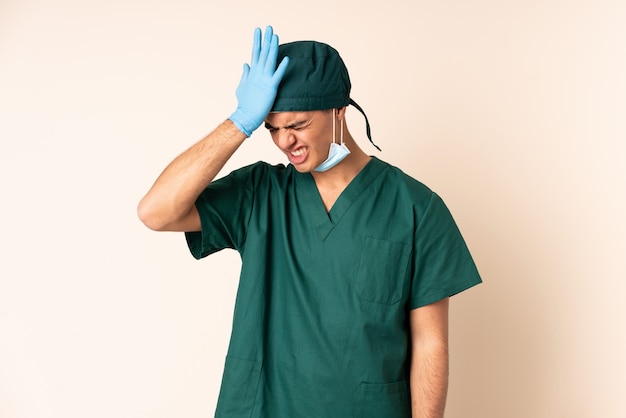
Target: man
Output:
{"points": [[347, 263]]}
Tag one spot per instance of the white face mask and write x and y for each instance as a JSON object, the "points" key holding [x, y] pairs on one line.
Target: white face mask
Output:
{"points": [[337, 152]]}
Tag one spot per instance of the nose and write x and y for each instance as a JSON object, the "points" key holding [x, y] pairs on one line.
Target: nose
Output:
{"points": [[284, 138]]}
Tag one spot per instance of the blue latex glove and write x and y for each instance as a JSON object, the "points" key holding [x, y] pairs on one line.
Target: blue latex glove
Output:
{"points": [[259, 83]]}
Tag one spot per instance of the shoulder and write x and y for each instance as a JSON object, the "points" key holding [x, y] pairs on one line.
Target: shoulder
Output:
{"points": [[260, 168], [408, 192], [258, 173], [402, 184]]}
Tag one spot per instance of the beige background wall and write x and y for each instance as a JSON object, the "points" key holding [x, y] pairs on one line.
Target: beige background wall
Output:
{"points": [[514, 111]]}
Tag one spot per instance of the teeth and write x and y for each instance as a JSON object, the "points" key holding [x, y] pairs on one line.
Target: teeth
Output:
{"points": [[297, 152]]}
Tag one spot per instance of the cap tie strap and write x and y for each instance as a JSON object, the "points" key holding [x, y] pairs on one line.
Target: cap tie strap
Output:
{"points": [[367, 123]]}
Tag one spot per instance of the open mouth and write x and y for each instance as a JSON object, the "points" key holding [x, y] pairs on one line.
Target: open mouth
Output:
{"points": [[298, 156]]}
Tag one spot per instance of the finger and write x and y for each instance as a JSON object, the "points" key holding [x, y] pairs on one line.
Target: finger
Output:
{"points": [[244, 75], [280, 71], [272, 56], [267, 41], [256, 46]]}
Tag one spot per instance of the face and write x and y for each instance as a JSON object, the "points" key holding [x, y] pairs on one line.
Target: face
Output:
{"points": [[304, 137]]}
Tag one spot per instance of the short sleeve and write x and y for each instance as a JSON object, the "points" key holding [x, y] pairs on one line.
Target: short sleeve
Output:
{"points": [[442, 264], [224, 208]]}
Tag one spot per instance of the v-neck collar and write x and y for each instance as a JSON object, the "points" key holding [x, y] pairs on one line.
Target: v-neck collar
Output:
{"points": [[323, 221]]}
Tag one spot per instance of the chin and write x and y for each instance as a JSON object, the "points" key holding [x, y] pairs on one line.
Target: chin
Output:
{"points": [[302, 168]]}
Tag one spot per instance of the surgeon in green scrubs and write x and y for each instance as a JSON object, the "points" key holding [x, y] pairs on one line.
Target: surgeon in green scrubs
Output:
{"points": [[348, 263]]}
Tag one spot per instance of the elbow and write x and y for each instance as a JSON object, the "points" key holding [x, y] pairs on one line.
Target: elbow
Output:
{"points": [[150, 216]]}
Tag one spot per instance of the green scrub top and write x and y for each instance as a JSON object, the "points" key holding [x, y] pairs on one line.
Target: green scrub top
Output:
{"points": [[320, 326]]}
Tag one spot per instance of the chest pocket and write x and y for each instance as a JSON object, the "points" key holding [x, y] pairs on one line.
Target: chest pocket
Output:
{"points": [[382, 271]]}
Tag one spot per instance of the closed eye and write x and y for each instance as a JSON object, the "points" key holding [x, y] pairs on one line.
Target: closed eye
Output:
{"points": [[298, 126], [270, 128]]}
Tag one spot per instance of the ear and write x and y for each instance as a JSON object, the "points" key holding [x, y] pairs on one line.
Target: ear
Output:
{"points": [[341, 112]]}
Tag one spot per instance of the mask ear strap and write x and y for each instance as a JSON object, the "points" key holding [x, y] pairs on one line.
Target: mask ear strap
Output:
{"points": [[367, 123], [334, 125], [341, 133]]}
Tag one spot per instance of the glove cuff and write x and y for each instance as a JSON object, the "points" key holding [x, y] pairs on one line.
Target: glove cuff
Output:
{"points": [[244, 123]]}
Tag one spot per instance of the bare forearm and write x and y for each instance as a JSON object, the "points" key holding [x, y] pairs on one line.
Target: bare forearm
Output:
{"points": [[175, 191], [429, 380], [429, 359]]}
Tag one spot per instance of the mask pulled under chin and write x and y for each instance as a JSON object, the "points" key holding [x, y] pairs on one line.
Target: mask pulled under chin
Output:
{"points": [[336, 154]]}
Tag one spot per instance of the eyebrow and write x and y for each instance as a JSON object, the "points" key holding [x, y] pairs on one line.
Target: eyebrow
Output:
{"points": [[294, 125]]}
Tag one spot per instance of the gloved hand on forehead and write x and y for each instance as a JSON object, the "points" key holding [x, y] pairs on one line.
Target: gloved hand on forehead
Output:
{"points": [[259, 83]]}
